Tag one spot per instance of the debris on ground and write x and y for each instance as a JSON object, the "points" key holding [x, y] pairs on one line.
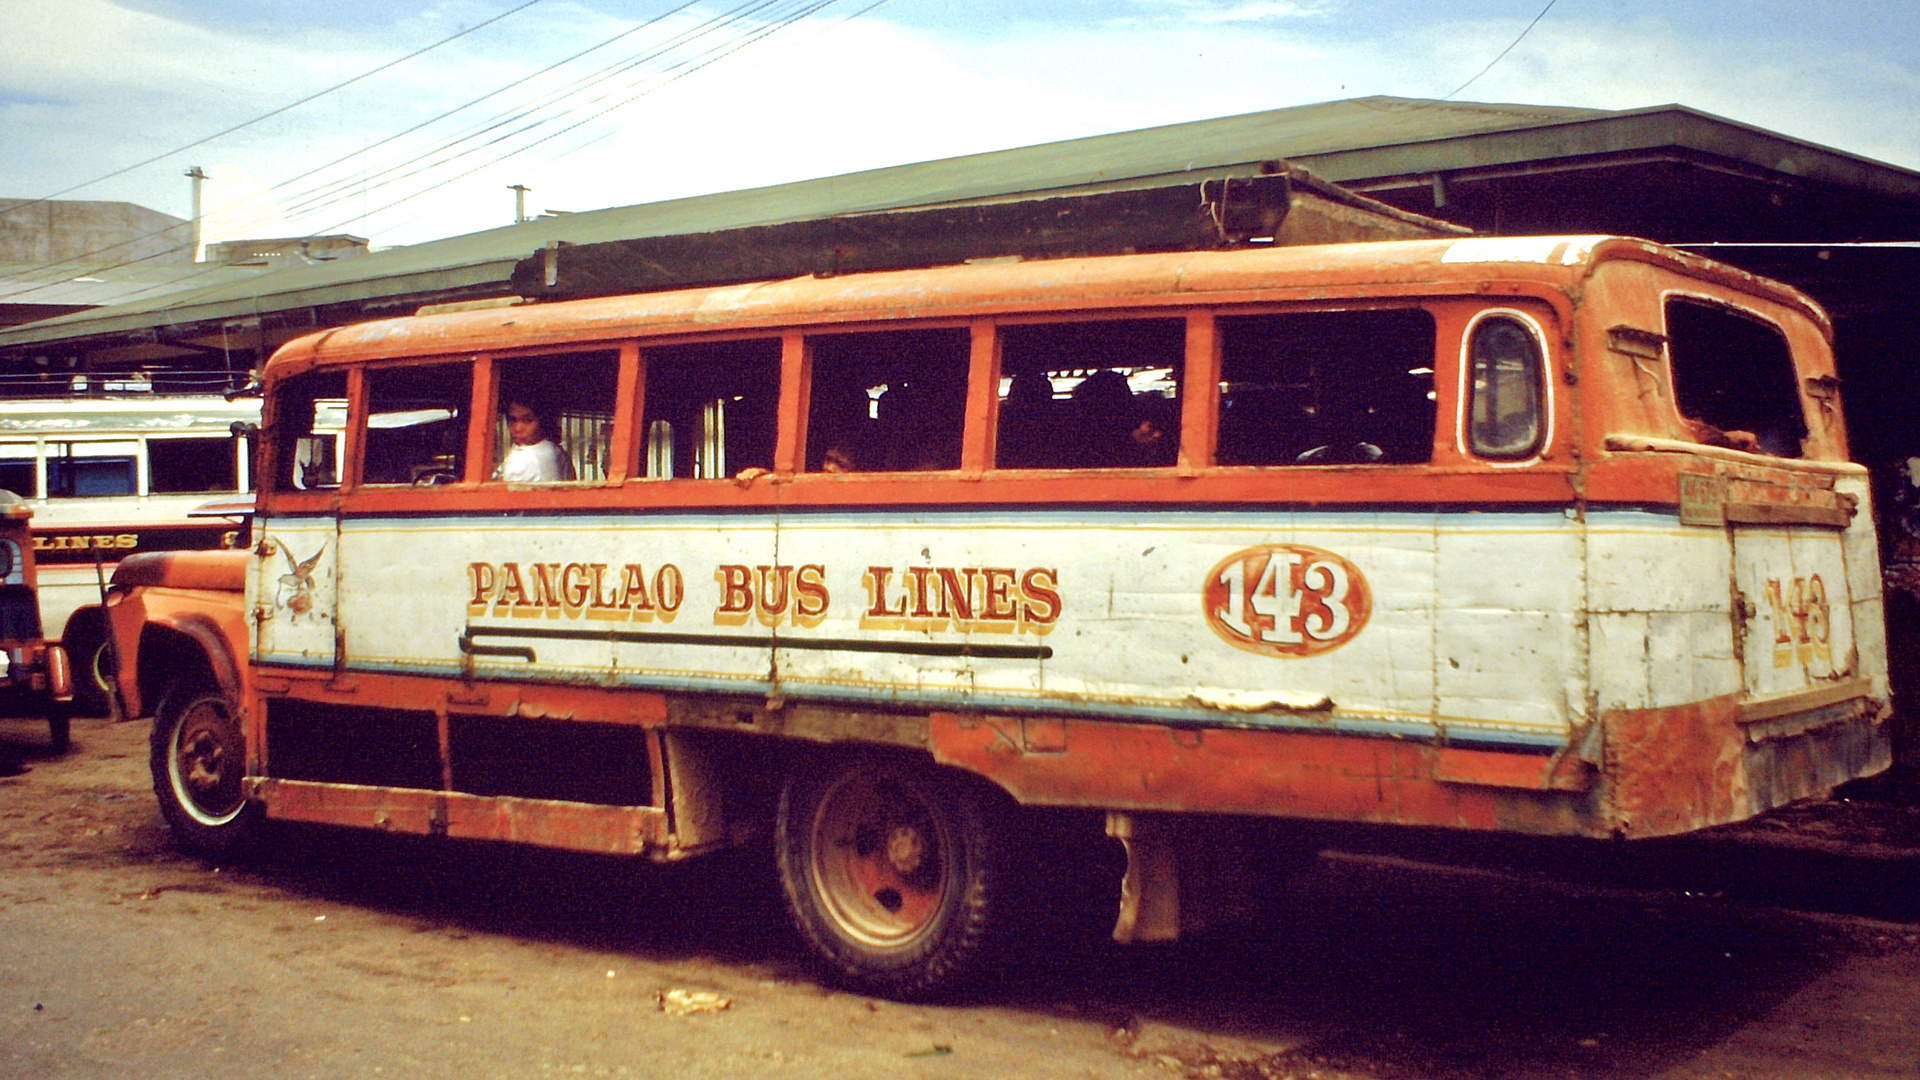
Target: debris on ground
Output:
{"points": [[687, 1002]]}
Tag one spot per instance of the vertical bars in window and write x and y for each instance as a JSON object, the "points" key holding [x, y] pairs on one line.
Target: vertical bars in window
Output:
{"points": [[710, 458]]}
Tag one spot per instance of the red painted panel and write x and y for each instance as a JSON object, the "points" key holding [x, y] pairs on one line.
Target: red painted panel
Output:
{"points": [[1328, 777]]}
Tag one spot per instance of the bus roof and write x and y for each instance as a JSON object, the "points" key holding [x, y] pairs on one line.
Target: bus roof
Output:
{"points": [[1038, 285]]}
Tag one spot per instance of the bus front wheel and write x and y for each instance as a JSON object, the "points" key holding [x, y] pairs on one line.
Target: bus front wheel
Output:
{"points": [[198, 759], [892, 872], [93, 670]]}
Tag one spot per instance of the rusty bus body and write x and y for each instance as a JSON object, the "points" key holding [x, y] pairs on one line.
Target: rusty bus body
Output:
{"points": [[35, 674], [1548, 535]]}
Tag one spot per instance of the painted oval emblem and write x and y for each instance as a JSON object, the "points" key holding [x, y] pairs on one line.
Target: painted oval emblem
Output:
{"points": [[1287, 600]]}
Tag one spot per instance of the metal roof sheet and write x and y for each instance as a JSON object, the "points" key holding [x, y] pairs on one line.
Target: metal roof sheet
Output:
{"points": [[1339, 140], [30, 283]]}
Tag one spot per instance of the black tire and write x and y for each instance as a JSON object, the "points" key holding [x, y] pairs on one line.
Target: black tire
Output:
{"points": [[92, 670], [59, 727], [893, 872], [198, 757]]}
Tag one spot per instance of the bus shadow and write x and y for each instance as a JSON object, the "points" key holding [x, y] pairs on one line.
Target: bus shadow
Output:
{"points": [[1392, 970], [25, 740], [1363, 966]]}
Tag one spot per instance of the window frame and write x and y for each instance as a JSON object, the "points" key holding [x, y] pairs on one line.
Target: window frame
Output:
{"points": [[1730, 309], [1442, 308], [993, 367], [359, 376], [1463, 419], [798, 339], [483, 436]]}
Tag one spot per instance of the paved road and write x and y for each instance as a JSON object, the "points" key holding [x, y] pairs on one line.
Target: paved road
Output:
{"points": [[362, 956]]}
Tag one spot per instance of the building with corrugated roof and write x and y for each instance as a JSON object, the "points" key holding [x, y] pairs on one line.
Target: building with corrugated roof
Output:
{"points": [[1843, 227]]}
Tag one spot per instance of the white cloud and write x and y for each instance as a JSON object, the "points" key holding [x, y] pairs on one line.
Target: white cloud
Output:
{"points": [[87, 86]]}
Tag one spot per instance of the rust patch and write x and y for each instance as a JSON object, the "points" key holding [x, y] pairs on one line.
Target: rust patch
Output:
{"points": [[612, 830], [1141, 767], [1673, 770]]}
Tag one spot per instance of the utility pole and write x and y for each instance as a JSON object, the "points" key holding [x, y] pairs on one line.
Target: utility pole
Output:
{"points": [[519, 202], [198, 176]]}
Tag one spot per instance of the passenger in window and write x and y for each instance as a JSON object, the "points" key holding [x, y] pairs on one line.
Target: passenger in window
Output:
{"points": [[1112, 430], [1029, 431], [536, 456], [916, 427], [838, 459]]}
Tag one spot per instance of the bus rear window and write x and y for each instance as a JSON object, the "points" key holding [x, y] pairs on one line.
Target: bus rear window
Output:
{"points": [[1504, 389], [1733, 379], [1088, 395], [1327, 388]]}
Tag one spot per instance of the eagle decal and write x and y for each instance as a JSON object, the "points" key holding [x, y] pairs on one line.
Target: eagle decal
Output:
{"points": [[295, 591]]}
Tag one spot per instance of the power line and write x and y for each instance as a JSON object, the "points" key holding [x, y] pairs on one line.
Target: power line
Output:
{"points": [[275, 112], [679, 69], [1505, 51], [321, 195]]}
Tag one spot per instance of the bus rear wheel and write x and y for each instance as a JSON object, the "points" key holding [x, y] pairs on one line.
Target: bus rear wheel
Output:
{"points": [[892, 872], [198, 760]]}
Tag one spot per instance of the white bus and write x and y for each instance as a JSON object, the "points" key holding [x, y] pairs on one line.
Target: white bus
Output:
{"points": [[111, 475]]}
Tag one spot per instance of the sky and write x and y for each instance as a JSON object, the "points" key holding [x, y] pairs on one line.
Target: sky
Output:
{"points": [[104, 99]]}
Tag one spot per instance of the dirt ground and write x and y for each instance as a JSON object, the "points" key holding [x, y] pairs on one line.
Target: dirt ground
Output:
{"points": [[1788, 948]]}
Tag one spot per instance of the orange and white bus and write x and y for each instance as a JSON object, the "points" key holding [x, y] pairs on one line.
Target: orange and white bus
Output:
{"points": [[1548, 535]]}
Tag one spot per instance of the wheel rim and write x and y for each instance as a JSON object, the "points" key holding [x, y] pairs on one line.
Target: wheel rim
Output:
{"points": [[879, 860], [97, 670], [204, 763]]}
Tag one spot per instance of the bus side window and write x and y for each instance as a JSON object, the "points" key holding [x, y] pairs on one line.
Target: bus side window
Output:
{"points": [[1733, 379], [572, 396], [711, 408], [191, 465], [85, 470], [309, 416], [17, 472], [1089, 395], [887, 401], [1505, 370], [1327, 388], [417, 424]]}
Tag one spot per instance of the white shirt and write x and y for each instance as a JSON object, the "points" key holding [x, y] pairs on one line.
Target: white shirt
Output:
{"points": [[540, 463]]}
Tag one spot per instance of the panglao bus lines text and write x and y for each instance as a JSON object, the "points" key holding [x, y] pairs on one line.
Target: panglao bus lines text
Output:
{"points": [[1549, 535]]}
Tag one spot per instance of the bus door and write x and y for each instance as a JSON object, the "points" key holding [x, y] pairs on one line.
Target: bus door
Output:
{"points": [[1794, 596], [291, 592]]}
